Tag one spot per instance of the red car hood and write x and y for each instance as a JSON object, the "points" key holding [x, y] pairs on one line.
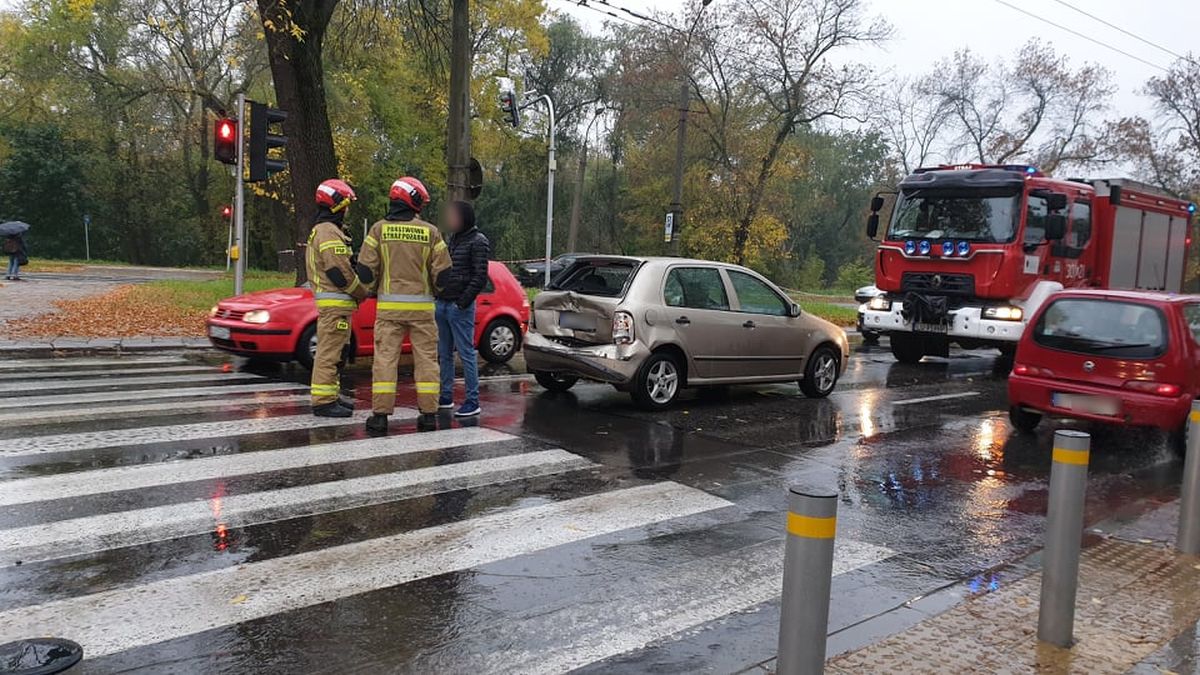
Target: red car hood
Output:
{"points": [[271, 299]]}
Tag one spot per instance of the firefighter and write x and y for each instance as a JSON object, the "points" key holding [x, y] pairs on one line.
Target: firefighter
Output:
{"points": [[337, 290], [405, 261]]}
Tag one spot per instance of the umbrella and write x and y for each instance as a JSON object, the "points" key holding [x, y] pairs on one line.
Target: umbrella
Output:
{"points": [[13, 227]]}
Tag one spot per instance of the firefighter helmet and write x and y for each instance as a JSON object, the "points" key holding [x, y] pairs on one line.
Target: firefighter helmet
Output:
{"points": [[335, 194], [410, 191]]}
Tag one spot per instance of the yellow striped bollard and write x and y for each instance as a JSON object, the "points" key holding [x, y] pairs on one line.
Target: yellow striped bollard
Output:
{"points": [[807, 577], [1064, 536], [1188, 539]]}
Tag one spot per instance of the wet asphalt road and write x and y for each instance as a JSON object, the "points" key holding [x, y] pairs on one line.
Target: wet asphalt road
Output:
{"points": [[180, 520]]}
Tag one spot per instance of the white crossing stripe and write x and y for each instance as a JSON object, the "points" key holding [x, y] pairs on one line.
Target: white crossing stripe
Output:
{"points": [[102, 376], [117, 479], [633, 613], [78, 364], [940, 397], [92, 534], [20, 386], [117, 620], [119, 411], [74, 399], [94, 440]]}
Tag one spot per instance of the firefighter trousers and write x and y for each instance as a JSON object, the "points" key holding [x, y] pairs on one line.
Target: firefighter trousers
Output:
{"points": [[389, 337], [333, 332]]}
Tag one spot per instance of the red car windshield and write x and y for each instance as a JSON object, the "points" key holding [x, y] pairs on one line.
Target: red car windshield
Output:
{"points": [[1103, 328]]}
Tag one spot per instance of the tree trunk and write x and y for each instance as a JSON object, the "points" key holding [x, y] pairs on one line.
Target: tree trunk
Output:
{"points": [[299, 77], [577, 201], [458, 141]]}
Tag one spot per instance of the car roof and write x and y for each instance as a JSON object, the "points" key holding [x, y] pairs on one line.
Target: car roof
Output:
{"points": [[1156, 297], [661, 259]]}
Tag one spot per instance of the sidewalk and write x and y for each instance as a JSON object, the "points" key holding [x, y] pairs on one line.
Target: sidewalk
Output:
{"points": [[1136, 612]]}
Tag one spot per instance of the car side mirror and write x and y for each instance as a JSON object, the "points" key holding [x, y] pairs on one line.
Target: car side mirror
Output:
{"points": [[872, 225], [1056, 201], [876, 203], [1056, 227], [794, 310]]}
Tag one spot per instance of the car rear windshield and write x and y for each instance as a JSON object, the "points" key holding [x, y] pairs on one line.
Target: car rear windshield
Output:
{"points": [[1103, 328], [606, 278]]}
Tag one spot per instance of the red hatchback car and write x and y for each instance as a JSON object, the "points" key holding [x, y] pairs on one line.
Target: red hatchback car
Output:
{"points": [[281, 324], [1121, 357]]}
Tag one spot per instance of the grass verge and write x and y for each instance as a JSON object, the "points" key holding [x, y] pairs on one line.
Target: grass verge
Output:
{"points": [[845, 317]]}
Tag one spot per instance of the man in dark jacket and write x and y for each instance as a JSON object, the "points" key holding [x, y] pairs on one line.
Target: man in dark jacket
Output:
{"points": [[455, 310]]}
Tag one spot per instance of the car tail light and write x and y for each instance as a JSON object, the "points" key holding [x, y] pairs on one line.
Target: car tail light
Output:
{"points": [[1157, 388], [1032, 371], [1020, 369], [622, 328]]}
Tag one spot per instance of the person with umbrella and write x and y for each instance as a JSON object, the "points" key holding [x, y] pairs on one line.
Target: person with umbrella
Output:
{"points": [[14, 246]]}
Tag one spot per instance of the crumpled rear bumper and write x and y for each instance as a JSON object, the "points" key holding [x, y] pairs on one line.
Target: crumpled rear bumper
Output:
{"points": [[615, 364]]}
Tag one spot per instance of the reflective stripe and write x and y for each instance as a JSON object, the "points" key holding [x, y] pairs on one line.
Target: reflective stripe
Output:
{"points": [[440, 245], [428, 388], [330, 295], [810, 527], [333, 244], [1066, 456], [405, 306], [383, 387], [337, 303], [371, 241], [353, 285], [392, 297], [326, 390]]}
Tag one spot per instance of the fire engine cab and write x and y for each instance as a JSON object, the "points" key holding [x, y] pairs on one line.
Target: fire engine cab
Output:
{"points": [[971, 251]]}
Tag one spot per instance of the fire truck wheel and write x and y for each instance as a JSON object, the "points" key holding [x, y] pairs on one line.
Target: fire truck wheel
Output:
{"points": [[906, 348]]}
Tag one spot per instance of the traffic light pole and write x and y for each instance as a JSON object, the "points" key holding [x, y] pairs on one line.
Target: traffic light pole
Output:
{"points": [[552, 166], [239, 203]]}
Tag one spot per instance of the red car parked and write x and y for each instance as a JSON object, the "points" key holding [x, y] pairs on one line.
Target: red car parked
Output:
{"points": [[1121, 357], [281, 324]]}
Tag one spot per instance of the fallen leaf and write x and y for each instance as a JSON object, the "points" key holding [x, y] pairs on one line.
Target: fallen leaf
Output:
{"points": [[239, 599]]}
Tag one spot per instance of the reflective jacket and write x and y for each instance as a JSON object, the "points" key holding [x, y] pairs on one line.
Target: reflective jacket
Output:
{"points": [[405, 262], [335, 285]]}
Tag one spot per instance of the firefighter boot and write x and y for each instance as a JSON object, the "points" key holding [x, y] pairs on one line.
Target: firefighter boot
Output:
{"points": [[427, 422], [377, 423], [332, 410]]}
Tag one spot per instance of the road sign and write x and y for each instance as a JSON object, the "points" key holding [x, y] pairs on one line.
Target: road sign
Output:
{"points": [[669, 229]]}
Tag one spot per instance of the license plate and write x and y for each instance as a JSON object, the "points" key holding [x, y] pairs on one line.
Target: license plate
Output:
{"points": [[577, 321], [941, 328], [219, 332], [1093, 405]]}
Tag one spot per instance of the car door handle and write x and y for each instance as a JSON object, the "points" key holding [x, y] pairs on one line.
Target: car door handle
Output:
{"points": [[683, 321], [748, 324], [486, 303]]}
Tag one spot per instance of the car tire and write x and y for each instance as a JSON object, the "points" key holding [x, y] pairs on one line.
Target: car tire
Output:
{"points": [[820, 372], [907, 349], [306, 345], [1177, 438], [870, 339], [556, 382], [500, 341], [657, 382], [1023, 420]]}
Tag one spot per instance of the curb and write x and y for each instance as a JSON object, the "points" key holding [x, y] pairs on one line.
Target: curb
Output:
{"points": [[85, 346]]}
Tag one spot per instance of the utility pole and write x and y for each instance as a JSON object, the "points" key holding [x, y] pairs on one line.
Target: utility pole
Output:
{"points": [[675, 216], [577, 198], [458, 146], [238, 252]]}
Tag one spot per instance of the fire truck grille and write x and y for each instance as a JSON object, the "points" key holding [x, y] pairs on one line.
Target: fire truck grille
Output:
{"points": [[937, 283]]}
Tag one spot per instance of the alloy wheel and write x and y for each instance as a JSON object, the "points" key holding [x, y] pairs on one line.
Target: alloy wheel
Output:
{"points": [[662, 381]]}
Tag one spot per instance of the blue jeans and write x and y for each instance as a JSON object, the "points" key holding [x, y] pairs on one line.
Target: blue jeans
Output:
{"points": [[456, 332], [14, 267]]}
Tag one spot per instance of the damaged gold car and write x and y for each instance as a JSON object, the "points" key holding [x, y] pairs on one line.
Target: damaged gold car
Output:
{"points": [[652, 326]]}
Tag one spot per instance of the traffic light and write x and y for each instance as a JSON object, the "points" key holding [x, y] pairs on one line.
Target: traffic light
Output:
{"points": [[510, 108], [262, 141], [225, 140], [226, 212]]}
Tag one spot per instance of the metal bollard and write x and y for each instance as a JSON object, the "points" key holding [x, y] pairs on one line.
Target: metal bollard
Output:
{"points": [[807, 578], [1064, 535], [1188, 539]]}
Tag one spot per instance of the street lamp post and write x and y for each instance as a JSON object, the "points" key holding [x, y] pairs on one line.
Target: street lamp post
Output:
{"points": [[553, 166]]}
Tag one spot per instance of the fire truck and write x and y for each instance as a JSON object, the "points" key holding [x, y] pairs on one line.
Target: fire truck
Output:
{"points": [[971, 251]]}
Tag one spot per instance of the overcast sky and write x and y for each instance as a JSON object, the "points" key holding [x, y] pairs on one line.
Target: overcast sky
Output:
{"points": [[928, 30]]}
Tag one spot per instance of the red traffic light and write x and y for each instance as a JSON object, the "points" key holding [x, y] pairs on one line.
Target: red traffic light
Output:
{"points": [[225, 140], [227, 211]]}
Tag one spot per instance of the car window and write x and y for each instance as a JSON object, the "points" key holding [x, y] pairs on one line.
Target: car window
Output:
{"points": [[1036, 210], [1081, 225], [755, 296], [605, 278], [1192, 314], [489, 287], [695, 287], [1103, 328]]}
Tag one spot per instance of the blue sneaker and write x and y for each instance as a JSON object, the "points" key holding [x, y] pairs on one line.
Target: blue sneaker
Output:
{"points": [[468, 410], [445, 403]]}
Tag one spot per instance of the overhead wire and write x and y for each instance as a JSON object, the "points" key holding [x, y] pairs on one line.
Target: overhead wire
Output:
{"points": [[1114, 26], [1082, 35]]}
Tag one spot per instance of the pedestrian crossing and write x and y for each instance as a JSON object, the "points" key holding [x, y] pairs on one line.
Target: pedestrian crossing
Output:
{"points": [[141, 552]]}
